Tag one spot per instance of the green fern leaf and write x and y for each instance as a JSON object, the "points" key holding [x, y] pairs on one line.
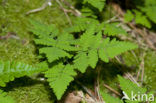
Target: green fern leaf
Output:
{"points": [[43, 30], [9, 71], [81, 24], [149, 12], [81, 61], [110, 49], [53, 53], [128, 87], [112, 30], [141, 19], [45, 41], [92, 58], [129, 16], [59, 78]]}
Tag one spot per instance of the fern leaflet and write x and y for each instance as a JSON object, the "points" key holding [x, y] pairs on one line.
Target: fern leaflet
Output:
{"points": [[11, 70], [59, 78]]}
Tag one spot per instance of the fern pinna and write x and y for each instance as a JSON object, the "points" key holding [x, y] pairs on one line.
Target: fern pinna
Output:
{"points": [[65, 53], [11, 70]]}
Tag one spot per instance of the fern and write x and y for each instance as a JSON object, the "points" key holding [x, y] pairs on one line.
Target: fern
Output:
{"points": [[113, 29], [4, 98], [94, 47], [57, 53], [59, 45], [128, 17], [77, 53], [81, 24], [128, 87], [143, 15], [11, 70], [110, 49], [141, 19], [59, 78]]}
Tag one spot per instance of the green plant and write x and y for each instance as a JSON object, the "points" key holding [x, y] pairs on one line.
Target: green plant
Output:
{"points": [[99, 4], [129, 90], [65, 53], [143, 14], [11, 70]]}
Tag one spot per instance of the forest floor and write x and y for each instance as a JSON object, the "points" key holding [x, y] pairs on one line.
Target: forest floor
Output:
{"points": [[16, 43]]}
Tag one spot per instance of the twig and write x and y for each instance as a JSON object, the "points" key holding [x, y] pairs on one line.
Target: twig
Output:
{"points": [[97, 87], [112, 90], [47, 3], [129, 76], [10, 35], [76, 12], [135, 56], [111, 19], [87, 91], [143, 68], [61, 6], [139, 31]]}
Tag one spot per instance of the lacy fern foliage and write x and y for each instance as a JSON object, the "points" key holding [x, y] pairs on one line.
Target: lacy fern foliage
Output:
{"points": [[144, 14], [68, 53], [11, 70], [127, 87], [59, 78]]}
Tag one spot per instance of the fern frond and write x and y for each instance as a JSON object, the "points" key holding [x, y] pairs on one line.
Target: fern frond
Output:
{"points": [[53, 53], [81, 24], [11, 70], [59, 78], [112, 30], [141, 19], [42, 30], [5, 99], [81, 61], [92, 58], [128, 87], [45, 41], [128, 17], [57, 45], [87, 12], [149, 12], [110, 49]]}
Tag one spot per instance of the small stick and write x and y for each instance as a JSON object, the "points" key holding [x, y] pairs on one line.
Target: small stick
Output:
{"points": [[112, 90], [48, 2], [143, 68], [87, 91], [64, 12], [129, 76], [76, 12]]}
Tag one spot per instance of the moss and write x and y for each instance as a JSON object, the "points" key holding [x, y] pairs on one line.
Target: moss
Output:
{"points": [[133, 61], [14, 21], [30, 91], [150, 70]]}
